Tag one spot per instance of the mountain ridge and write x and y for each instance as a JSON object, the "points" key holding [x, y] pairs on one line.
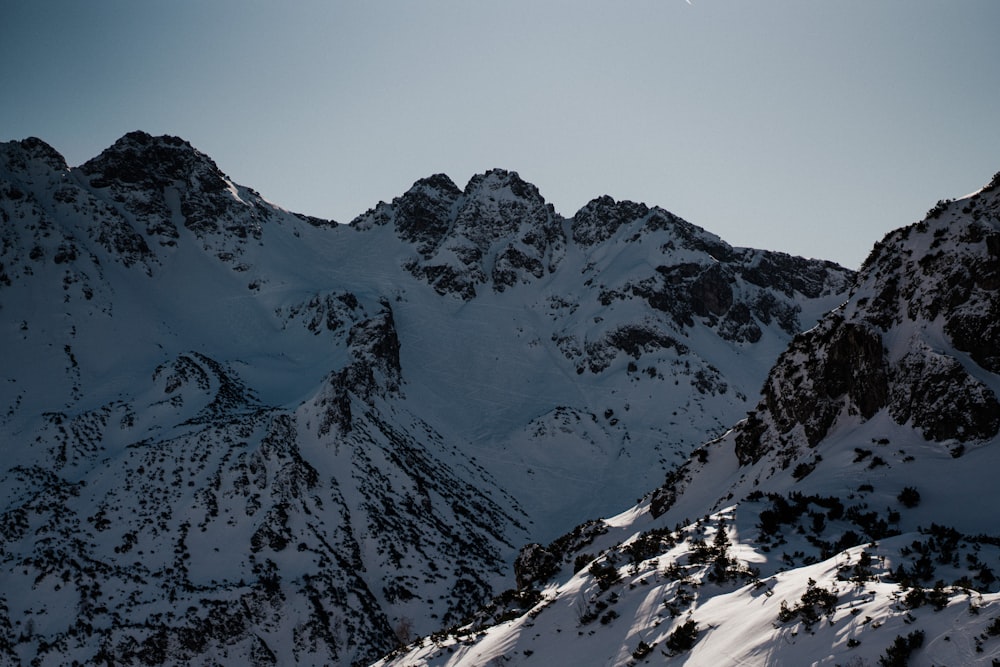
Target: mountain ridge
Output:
{"points": [[238, 434], [845, 520]]}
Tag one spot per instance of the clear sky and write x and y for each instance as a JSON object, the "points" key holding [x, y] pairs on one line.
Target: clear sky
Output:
{"points": [[807, 126]]}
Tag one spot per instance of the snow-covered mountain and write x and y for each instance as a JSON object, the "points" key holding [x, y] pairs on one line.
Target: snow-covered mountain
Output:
{"points": [[849, 519], [235, 434]]}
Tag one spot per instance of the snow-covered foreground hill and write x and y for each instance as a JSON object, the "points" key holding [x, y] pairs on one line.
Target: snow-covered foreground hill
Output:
{"points": [[850, 519], [232, 434]]}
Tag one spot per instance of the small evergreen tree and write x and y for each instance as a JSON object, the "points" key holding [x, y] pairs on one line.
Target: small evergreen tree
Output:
{"points": [[898, 654], [683, 638], [909, 496]]}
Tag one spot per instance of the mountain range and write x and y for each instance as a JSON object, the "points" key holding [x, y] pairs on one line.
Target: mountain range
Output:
{"points": [[233, 434], [848, 519]]}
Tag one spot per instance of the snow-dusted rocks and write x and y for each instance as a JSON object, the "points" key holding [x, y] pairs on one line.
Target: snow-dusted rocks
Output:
{"points": [[498, 231], [917, 338], [163, 180]]}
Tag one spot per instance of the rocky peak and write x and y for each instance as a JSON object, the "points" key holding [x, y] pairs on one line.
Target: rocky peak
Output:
{"points": [[423, 213], [603, 218], [17, 155], [499, 205], [498, 231], [500, 181], [160, 180], [699, 278], [141, 160], [440, 183], [56, 213], [600, 218], [884, 350], [947, 269]]}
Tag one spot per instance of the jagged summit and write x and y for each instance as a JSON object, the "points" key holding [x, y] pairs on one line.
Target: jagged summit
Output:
{"points": [[502, 182], [498, 232], [144, 161], [421, 215], [604, 218], [140, 204], [440, 182], [17, 153], [600, 219], [955, 280], [161, 179]]}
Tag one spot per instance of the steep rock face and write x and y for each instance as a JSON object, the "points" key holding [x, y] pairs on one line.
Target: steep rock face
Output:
{"points": [[499, 232], [163, 184], [697, 276], [967, 293], [158, 178], [373, 346], [424, 212], [834, 370], [924, 288], [936, 394]]}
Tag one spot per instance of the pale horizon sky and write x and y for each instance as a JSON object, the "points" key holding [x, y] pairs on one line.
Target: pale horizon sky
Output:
{"points": [[812, 128]]}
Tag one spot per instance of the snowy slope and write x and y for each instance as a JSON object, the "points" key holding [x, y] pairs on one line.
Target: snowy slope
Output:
{"points": [[625, 336], [236, 434], [850, 519]]}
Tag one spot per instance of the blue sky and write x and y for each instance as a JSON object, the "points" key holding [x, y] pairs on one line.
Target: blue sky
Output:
{"points": [[796, 125]]}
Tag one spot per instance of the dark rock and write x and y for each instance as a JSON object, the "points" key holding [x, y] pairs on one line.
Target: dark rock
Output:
{"points": [[711, 293], [423, 214], [498, 229], [374, 369], [36, 149], [601, 218], [936, 394], [811, 278], [855, 365], [140, 169]]}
